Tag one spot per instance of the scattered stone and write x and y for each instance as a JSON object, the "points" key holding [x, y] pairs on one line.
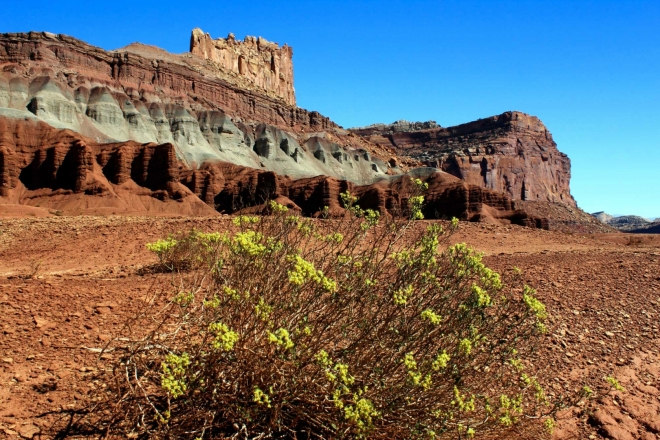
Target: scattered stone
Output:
{"points": [[28, 431]]}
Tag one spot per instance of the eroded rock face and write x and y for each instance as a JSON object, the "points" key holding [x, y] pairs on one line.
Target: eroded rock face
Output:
{"points": [[172, 124], [36, 158], [247, 190], [261, 62], [512, 153], [207, 112]]}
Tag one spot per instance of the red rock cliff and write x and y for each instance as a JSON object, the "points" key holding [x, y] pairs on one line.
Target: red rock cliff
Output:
{"points": [[261, 62], [140, 73], [512, 153], [206, 111]]}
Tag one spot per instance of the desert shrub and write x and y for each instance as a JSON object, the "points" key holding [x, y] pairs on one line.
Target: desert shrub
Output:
{"points": [[182, 251], [362, 327]]}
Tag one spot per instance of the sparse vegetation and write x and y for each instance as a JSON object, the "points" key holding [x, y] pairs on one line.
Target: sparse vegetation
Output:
{"points": [[289, 327]]}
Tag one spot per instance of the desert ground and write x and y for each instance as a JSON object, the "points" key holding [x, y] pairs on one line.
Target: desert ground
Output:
{"points": [[68, 284]]}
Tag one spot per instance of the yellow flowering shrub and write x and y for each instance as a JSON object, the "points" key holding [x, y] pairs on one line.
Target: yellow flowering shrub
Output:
{"points": [[360, 327]]}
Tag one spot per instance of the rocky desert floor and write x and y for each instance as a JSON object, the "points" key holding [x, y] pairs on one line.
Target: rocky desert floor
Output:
{"points": [[68, 284]]}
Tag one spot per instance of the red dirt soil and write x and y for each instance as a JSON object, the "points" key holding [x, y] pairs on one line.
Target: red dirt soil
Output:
{"points": [[68, 283]]}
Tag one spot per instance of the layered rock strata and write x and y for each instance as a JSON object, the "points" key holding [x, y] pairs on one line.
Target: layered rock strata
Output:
{"points": [[265, 64], [39, 160], [147, 95], [512, 153]]}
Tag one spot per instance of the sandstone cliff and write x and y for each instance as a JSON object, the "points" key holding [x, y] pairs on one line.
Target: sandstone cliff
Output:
{"points": [[217, 130], [145, 94], [512, 153], [44, 166], [261, 62]]}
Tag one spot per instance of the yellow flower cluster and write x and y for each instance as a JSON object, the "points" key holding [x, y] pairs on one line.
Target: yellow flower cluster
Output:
{"points": [[465, 346], [371, 219], [430, 316], [533, 304], [481, 296], [416, 203], [304, 270], [245, 220], [415, 376], [263, 310], [281, 338], [465, 405], [161, 246], [362, 415], [225, 338], [401, 296], [231, 293], [441, 361], [174, 371], [248, 243], [277, 208], [261, 398]]}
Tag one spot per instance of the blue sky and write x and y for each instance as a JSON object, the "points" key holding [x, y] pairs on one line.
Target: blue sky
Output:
{"points": [[589, 69]]}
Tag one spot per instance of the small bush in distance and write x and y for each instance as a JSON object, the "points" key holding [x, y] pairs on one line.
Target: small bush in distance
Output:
{"points": [[363, 327]]}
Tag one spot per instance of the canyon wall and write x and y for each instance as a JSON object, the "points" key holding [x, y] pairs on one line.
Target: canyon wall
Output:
{"points": [[145, 94], [265, 64], [79, 120], [512, 153], [39, 165]]}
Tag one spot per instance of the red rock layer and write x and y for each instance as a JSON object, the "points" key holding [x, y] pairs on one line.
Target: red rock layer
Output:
{"points": [[512, 153], [144, 78], [34, 156]]}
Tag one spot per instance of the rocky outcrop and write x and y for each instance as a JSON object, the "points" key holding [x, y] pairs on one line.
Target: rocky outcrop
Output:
{"points": [[42, 157], [37, 159], [247, 190], [512, 153], [261, 62], [219, 127], [208, 113]]}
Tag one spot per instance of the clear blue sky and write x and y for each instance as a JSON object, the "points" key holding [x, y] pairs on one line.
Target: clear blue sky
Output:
{"points": [[590, 69]]}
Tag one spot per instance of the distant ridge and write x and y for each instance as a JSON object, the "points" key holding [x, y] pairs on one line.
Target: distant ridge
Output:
{"points": [[629, 223]]}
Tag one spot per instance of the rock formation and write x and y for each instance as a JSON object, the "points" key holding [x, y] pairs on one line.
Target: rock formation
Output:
{"points": [[265, 64], [217, 129], [145, 94], [38, 161], [513, 153]]}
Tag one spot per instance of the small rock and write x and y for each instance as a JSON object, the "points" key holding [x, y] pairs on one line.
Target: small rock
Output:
{"points": [[7, 361], [28, 431], [9, 432], [46, 386], [63, 374], [40, 322]]}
